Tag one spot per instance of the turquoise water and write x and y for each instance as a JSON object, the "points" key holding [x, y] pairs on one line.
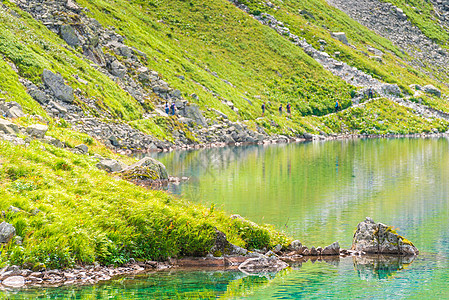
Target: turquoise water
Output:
{"points": [[317, 193]]}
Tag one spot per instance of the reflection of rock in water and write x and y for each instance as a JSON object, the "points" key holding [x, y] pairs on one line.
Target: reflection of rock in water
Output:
{"points": [[375, 267]]}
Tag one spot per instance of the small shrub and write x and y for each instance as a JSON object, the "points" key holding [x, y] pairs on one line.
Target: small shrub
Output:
{"points": [[62, 165]]}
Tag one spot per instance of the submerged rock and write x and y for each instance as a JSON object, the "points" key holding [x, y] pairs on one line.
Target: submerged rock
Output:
{"points": [[262, 264], [371, 237], [373, 268]]}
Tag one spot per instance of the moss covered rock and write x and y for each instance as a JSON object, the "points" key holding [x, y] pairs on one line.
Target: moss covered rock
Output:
{"points": [[372, 237]]}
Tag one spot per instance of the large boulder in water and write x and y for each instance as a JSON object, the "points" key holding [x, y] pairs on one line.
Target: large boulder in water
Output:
{"points": [[378, 238]]}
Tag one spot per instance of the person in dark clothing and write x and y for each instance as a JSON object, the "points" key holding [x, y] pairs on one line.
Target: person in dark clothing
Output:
{"points": [[167, 108], [173, 107], [289, 110], [370, 93], [337, 106], [263, 109], [280, 110]]}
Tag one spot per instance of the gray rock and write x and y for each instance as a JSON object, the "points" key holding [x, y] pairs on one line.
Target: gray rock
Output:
{"points": [[56, 84], [38, 95], [333, 249], [220, 113], [277, 248], [82, 148], [117, 69], [14, 281], [58, 107], [8, 127], [341, 36], [390, 90], [68, 34], [262, 264], [176, 94], [313, 251], [295, 246], [308, 136], [7, 232], [430, 89], [147, 168], [37, 130], [15, 112], [223, 247], [109, 165], [193, 112], [371, 237]]}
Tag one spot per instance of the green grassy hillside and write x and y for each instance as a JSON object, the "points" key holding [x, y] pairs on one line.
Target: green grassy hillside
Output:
{"points": [[70, 212]]}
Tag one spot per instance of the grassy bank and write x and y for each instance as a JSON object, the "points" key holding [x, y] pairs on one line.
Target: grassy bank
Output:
{"points": [[72, 213]]}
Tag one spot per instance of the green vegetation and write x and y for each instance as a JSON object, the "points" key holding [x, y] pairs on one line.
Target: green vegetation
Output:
{"points": [[72, 213], [378, 117]]}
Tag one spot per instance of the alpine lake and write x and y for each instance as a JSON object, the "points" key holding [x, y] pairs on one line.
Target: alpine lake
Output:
{"points": [[316, 192]]}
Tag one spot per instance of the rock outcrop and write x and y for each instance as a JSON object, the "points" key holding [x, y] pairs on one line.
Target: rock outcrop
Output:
{"points": [[389, 21], [378, 238], [56, 84], [147, 169]]}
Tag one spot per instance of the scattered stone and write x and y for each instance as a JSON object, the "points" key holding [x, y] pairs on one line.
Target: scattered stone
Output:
{"points": [[67, 33], [277, 248], [37, 130], [223, 247], [7, 232], [295, 246], [333, 249], [109, 165], [341, 36], [82, 148], [8, 127]]}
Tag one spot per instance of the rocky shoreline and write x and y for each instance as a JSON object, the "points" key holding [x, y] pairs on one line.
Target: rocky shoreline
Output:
{"points": [[369, 239]]}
